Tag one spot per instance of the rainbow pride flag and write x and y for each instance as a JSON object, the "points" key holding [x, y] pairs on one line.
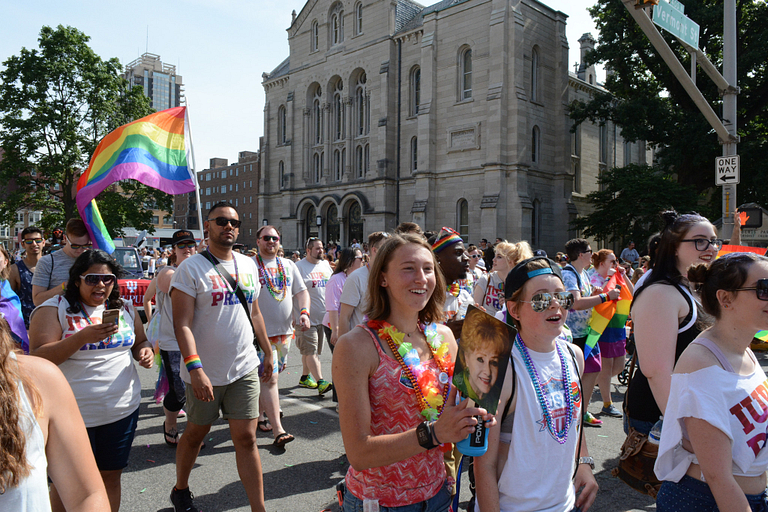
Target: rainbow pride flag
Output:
{"points": [[609, 317], [728, 249], [151, 150], [10, 309]]}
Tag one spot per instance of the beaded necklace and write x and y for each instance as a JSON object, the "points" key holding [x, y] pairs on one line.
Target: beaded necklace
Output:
{"points": [[275, 285], [216, 267], [560, 436], [430, 397]]}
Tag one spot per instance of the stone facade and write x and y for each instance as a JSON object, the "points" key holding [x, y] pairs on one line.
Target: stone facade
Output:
{"points": [[454, 114]]}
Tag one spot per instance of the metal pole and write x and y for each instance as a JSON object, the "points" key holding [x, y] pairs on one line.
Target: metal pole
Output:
{"points": [[729, 108]]}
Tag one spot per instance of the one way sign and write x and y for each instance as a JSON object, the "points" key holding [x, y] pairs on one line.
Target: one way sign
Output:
{"points": [[726, 170]]}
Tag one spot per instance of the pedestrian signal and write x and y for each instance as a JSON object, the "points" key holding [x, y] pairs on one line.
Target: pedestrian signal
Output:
{"points": [[751, 217]]}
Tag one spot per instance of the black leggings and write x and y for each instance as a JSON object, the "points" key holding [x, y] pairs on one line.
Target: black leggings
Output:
{"points": [[328, 332], [175, 398]]}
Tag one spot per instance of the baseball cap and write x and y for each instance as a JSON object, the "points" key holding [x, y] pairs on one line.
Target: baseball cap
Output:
{"points": [[519, 275], [182, 235]]}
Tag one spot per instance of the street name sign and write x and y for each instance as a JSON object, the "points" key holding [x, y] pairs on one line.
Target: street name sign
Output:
{"points": [[677, 5], [726, 170], [676, 23]]}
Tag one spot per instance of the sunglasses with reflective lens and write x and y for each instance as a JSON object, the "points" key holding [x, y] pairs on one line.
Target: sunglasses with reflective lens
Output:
{"points": [[223, 221], [186, 245], [702, 244], [33, 241], [94, 279], [541, 301], [269, 238], [77, 247], [761, 289]]}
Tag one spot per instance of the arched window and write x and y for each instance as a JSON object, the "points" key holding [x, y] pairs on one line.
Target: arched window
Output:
{"points": [[359, 161], [314, 37], [355, 222], [415, 90], [465, 74], [535, 75], [367, 158], [463, 219], [414, 154], [317, 116], [281, 131], [358, 18], [337, 165], [362, 106], [535, 145], [281, 174], [339, 117], [333, 228], [310, 225], [316, 168], [343, 162], [603, 144], [627, 153], [337, 24]]}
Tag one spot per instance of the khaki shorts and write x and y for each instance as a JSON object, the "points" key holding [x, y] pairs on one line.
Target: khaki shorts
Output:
{"points": [[310, 342], [238, 400]]}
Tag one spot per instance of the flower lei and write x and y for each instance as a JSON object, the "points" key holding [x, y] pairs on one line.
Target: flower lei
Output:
{"points": [[275, 285], [454, 288], [431, 398]]}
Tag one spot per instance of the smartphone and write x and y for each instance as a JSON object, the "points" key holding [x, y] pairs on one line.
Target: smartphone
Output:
{"points": [[110, 316]]}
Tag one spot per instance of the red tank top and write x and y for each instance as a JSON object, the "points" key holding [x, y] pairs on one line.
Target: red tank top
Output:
{"points": [[394, 409]]}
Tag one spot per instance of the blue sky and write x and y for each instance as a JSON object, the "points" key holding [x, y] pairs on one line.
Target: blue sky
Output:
{"points": [[219, 47]]}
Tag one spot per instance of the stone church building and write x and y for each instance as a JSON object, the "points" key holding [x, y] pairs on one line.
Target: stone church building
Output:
{"points": [[451, 115]]}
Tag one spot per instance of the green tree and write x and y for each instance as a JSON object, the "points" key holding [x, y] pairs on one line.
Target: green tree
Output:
{"points": [[56, 103], [648, 103], [628, 203]]}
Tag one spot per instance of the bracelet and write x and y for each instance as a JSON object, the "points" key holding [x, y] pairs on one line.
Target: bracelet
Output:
{"points": [[63, 287], [431, 425], [193, 362], [304, 311], [603, 297]]}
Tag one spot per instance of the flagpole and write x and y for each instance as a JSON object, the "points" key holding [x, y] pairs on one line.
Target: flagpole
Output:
{"points": [[188, 131]]}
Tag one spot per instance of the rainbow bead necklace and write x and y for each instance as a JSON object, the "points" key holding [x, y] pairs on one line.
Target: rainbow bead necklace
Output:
{"points": [[275, 285]]}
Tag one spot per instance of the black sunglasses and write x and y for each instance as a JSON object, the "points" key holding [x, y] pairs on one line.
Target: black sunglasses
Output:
{"points": [[270, 238], [223, 221], [94, 279], [761, 289]]}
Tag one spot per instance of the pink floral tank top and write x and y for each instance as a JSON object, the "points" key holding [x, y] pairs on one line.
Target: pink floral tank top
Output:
{"points": [[394, 409]]}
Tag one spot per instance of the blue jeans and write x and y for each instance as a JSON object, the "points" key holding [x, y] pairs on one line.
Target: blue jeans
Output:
{"points": [[641, 426], [437, 503], [694, 495]]}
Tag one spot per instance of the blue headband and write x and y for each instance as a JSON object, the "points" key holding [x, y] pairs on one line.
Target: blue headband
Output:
{"points": [[539, 271]]}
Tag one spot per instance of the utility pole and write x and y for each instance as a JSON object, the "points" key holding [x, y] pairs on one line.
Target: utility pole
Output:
{"points": [[729, 109]]}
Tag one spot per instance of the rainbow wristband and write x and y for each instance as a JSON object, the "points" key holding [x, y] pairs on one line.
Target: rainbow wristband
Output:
{"points": [[603, 297], [193, 362], [304, 311]]}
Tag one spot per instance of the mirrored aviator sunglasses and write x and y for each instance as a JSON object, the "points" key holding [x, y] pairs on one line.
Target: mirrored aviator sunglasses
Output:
{"points": [[541, 301], [761, 289]]}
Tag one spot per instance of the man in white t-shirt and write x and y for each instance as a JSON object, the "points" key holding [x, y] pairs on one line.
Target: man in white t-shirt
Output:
{"points": [[221, 365], [353, 300], [315, 272], [283, 287]]}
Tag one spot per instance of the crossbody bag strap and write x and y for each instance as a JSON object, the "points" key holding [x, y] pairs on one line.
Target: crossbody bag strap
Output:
{"points": [[581, 415], [232, 284]]}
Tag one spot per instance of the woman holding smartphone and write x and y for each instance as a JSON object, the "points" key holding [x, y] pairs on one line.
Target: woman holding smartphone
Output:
{"points": [[96, 357]]}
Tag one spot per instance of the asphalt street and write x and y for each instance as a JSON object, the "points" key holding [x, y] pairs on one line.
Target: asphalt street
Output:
{"points": [[302, 477]]}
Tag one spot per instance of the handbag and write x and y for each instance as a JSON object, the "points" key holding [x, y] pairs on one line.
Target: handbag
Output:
{"points": [[637, 456]]}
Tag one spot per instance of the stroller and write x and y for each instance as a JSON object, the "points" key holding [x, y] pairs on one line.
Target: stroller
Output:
{"points": [[624, 375]]}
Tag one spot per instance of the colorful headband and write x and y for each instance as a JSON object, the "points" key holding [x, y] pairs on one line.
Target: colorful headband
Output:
{"points": [[446, 237]]}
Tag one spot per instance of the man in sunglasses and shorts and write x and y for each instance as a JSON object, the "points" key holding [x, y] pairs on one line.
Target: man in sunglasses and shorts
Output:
{"points": [[52, 272], [221, 365]]}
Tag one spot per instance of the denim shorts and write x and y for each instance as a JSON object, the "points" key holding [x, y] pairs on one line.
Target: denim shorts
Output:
{"points": [[694, 495], [644, 427], [440, 502], [111, 443]]}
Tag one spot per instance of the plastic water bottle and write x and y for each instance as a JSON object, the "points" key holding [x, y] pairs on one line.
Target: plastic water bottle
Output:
{"points": [[476, 443], [654, 436]]}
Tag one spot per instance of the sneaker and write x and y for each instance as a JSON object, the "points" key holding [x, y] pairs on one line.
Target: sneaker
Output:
{"points": [[324, 386], [591, 421], [183, 500], [308, 382], [612, 411]]}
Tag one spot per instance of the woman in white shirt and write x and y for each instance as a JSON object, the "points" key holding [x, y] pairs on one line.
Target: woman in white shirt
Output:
{"points": [[712, 454]]}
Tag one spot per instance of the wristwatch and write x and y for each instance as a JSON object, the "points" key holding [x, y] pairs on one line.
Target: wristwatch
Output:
{"points": [[587, 460], [424, 434]]}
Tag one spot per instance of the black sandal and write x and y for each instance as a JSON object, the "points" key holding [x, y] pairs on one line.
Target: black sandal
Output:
{"points": [[282, 439], [174, 437]]}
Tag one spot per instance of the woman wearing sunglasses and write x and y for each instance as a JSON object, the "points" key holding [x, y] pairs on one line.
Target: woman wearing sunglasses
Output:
{"points": [[534, 454], [97, 360], [712, 454], [665, 314]]}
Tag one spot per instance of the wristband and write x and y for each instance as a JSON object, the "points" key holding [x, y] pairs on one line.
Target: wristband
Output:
{"points": [[603, 297], [193, 362], [304, 311], [63, 287], [431, 426]]}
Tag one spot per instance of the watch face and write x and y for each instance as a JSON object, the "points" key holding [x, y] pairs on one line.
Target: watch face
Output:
{"points": [[425, 439]]}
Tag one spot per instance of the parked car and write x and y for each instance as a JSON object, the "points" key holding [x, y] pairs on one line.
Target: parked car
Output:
{"points": [[134, 284]]}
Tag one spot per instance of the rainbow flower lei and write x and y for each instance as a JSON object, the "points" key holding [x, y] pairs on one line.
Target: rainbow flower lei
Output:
{"points": [[454, 288], [431, 398]]}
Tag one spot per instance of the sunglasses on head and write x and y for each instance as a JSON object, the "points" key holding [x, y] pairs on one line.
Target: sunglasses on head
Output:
{"points": [[77, 247], [94, 279], [270, 238], [223, 221], [702, 244], [541, 301], [761, 289], [186, 245], [33, 241]]}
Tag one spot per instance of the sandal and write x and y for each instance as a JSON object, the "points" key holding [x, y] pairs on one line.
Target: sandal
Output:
{"points": [[282, 439], [264, 425], [172, 437]]}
